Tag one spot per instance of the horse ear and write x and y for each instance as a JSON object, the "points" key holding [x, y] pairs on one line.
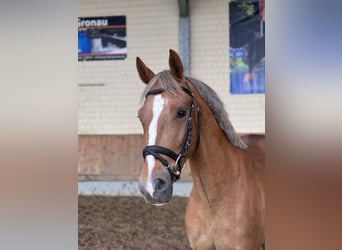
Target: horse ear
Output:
{"points": [[144, 72], [175, 64]]}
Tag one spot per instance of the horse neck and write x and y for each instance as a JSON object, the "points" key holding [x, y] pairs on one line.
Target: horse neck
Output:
{"points": [[215, 164]]}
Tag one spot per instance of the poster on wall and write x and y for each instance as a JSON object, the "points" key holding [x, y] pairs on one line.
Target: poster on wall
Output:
{"points": [[247, 46], [102, 38]]}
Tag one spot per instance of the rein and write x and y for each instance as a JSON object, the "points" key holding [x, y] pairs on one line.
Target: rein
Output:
{"points": [[155, 150]]}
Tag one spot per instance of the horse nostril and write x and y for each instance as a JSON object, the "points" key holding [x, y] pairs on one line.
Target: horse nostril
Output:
{"points": [[160, 185]]}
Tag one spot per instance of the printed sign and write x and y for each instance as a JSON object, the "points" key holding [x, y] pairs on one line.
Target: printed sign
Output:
{"points": [[102, 38], [247, 46]]}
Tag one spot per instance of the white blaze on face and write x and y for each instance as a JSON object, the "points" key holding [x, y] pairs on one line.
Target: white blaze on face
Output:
{"points": [[158, 106]]}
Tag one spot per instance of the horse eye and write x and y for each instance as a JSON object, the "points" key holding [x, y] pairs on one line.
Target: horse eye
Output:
{"points": [[181, 113]]}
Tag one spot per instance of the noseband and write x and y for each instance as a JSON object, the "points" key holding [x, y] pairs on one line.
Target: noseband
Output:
{"points": [[154, 150]]}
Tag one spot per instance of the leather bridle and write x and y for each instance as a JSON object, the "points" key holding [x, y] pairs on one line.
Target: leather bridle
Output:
{"points": [[156, 151]]}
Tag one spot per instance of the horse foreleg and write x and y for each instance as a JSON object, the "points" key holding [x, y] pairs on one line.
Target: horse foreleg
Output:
{"points": [[198, 229]]}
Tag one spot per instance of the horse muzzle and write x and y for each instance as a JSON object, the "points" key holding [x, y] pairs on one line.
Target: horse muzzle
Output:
{"points": [[158, 190]]}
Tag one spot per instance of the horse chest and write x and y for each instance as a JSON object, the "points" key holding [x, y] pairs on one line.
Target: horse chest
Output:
{"points": [[204, 229], [219, 230]]}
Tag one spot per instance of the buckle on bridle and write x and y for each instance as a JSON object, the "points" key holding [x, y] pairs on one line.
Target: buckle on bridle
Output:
{"points": [[178, 171]]}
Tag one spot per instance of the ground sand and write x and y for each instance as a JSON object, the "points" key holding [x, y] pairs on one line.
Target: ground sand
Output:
{"points": [[106, 222]]}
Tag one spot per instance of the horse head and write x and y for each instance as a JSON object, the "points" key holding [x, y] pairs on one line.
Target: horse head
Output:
{"points": [[168, 117]]}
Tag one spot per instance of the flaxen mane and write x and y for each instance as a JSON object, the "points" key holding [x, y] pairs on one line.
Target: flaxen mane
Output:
{"points": [[167, 82]]}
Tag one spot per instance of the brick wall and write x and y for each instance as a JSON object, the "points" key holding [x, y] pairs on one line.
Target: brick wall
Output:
{"points": [[152, 28], [210, 63]]}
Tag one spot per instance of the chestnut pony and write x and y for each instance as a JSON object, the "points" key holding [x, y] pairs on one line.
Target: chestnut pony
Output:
{"points": [[183, 119]]}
